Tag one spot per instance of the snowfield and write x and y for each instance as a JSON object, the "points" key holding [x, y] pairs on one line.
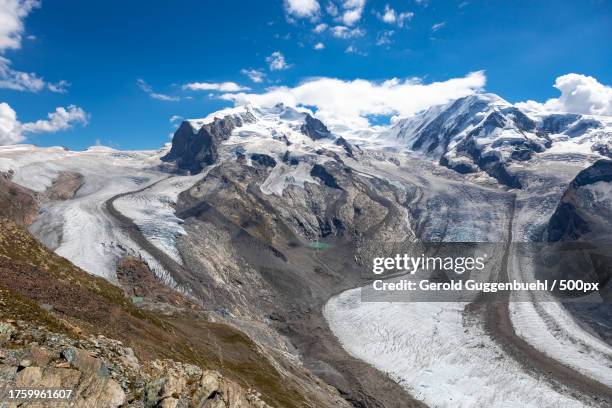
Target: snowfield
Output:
{"points": [[152, 210], [437, 354], [80, 229]]}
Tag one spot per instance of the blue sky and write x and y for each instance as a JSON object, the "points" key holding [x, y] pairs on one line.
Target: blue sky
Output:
{"points": [[104, 48]]}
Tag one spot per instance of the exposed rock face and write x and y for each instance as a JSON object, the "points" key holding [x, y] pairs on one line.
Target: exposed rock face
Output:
{"points": [[263, 160], [16, 202], [276, 258], [192, 150], [64, 186], [585, 215], [102, 372], [346, 145], [585, 211], [321, 173], [314, 128]]}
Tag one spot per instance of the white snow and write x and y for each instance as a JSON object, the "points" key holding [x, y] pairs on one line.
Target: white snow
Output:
{"points": [[152, 210], [436, 354], [548, 326], [80, 229]]}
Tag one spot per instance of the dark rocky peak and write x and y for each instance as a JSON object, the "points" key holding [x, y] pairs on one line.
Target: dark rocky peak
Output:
{"points": [[346, 145], [193, 150], [601, 170], [579, 215], [314, 128]]}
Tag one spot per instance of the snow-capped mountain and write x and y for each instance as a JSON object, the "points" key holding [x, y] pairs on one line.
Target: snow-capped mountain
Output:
{"points": [[485, 132], [262, 215], [290, 141]]}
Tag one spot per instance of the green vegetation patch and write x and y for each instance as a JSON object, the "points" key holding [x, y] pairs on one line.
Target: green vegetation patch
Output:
{"points": [[318, 245]]}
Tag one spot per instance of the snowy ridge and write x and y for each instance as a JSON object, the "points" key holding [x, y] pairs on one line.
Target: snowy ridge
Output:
{"points": [[276, 132], [485, 132]]}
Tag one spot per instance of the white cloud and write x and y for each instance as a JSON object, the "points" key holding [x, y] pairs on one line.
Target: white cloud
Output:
{"points": [[346, 33], [10, 128], [12, 131], [579, 94], [390, 16], [254, 75], [332, 9], [350, 49], [12, 13], [17, 80], [215, 86], [59, 87], [353, 9], [319, 46], [175, 118], [302, 8], [319, 28], [159, 96], [384, 37], [340, 102], [438, 26], [61, 119], [277, 61]]}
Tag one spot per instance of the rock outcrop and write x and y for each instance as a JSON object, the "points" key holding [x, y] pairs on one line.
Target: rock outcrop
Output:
{"points": [[314, 128], [194, 149], [585, 210], [102, 372]]}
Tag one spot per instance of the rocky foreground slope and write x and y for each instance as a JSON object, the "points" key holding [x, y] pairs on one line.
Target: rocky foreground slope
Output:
{"points": [[145, 345]]}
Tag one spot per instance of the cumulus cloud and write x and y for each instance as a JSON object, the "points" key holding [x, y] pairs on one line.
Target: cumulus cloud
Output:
{"points": [[254, 75], [346, 33], [276, 61], [148, 89], [12, 13], [579, 94], [319, 46], [13, 131], [390, 16], [302, 8], [319, 28], [215, 86], [352, 11], [61, 119], [340, 102], [10, 128]]}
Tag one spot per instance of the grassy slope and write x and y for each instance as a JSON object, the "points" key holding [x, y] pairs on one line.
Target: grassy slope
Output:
{"points": [[82, 304]]}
